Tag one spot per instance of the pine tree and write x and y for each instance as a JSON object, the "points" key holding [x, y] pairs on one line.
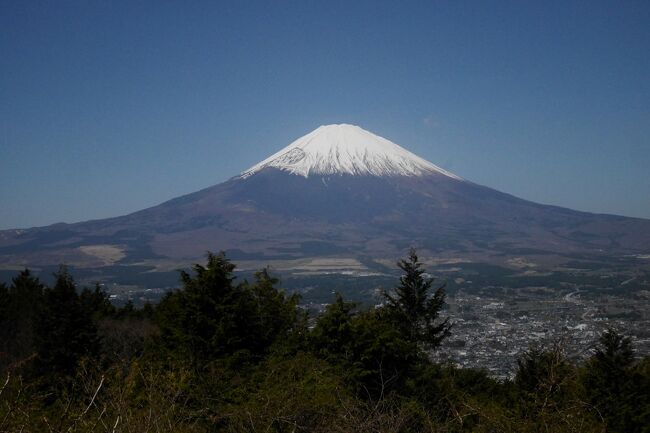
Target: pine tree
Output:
{"points": [[413, 309], [23, 305], [96, 302], [213, 317], [276, 313], [4, 324], [608, 381], [369, 349], [543, 379], [332, 334], [65, 332]]}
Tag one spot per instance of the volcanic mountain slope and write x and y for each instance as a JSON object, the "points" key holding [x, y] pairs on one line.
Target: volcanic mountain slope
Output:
{"points": [[338, 191]]}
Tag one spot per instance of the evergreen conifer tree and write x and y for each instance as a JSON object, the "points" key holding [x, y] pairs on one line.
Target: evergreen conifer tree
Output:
{"points": [[413, 309], [276, 313], [4, 324], [23, 305], [96, 302], [608, 381], [213, 317], [65, 331]]}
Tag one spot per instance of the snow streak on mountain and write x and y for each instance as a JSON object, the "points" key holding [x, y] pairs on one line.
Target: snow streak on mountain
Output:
{"points": [[347, 149]]}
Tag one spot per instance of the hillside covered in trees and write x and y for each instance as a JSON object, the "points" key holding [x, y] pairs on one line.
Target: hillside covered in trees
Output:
{"points": [[221, 355]]}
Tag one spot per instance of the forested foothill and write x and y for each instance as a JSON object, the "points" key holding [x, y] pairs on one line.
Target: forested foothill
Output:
{"points": [[222, 355]]}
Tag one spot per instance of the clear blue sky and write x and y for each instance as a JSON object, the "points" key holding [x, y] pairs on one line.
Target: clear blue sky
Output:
{"points": [[108, 107]]}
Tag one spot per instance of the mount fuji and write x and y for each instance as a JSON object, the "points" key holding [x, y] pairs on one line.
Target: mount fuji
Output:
{"points": [[346, 150], [337, 193]]}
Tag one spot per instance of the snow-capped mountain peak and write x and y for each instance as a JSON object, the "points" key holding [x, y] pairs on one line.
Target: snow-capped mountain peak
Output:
{"points": [[347, 149]]}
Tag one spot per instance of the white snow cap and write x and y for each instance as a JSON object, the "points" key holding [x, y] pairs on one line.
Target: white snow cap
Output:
{"points": [[347, 149]]}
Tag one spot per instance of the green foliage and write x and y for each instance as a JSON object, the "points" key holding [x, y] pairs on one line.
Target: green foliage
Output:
{"points": [[618, 389], [333, 331], [65, 331], [276, 318], [208, 317], [380, 349], [371, 353], [542, 371], [5, 316], [212, 317], [21, 305], [413, 309], [641, 380], [546, 384], [444, 390], [297, 394], [4, 303], [96, 302], [222, 356]]}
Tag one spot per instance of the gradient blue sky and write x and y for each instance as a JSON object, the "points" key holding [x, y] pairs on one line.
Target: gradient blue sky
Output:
{"points": [[109, 107]]}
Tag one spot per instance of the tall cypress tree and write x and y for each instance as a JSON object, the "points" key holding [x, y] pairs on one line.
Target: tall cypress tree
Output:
{"points": [[65, 331], [276, 314], [4, 324], [609, 383], [23, 305], [96, 302], [413, 309], [205, 319], [214, 317]]}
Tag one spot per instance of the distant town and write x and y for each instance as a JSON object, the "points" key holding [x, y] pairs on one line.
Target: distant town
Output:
{"points": [[492, 325], [491, 330]]}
